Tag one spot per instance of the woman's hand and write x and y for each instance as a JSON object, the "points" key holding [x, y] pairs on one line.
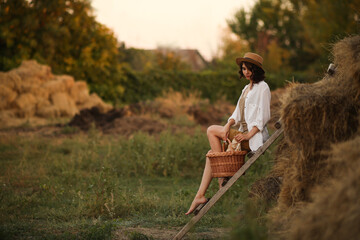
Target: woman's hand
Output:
{"points": [[242, 137], [224, 134]]}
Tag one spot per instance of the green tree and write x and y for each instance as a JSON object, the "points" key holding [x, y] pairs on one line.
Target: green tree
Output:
{"points": [[231, 48], [303, 29], [61, 33], [275, 20], [16, 33], [327, 21]]}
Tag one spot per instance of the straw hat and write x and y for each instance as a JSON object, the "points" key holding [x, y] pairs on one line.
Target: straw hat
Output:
{"points": [[251, 58]]}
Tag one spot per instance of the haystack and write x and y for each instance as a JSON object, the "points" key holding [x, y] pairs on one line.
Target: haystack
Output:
{"points": [[315, 118], [334, 212], [31, 92]]}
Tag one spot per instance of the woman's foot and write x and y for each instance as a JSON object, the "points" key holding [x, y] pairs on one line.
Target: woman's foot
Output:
{"points": [[196, 202], [223, 181]]}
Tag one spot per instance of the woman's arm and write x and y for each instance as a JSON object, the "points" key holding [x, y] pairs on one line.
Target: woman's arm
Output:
{"points": [[241, 137], [226, 129]]}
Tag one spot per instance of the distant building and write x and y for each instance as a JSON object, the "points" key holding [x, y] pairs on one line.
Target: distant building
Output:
{"points": [[191, 57], [166, 58]]}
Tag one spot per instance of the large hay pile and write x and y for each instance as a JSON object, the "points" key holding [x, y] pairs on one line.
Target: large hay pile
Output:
{"points": [[334, 212], [319, 162], [31, 91]]}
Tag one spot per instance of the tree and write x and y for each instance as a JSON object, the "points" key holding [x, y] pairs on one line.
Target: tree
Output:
{"points": [[231, 48], [303, 28], [275, 20], [16, 33], [276, 58], [327, 21], [62, 33], [65, 35]]}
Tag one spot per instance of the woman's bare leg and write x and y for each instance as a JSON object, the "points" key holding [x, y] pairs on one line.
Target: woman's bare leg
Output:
{"points": [[205, 182], [213, 134]]}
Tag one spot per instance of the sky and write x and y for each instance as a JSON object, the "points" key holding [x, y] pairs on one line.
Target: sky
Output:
{"points": [[187, 24]]}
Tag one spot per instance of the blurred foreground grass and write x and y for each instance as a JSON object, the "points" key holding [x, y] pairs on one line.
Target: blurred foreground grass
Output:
{"points": [[85, 186]]}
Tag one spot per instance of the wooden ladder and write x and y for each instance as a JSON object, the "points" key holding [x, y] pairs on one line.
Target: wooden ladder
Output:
{"points": [[231, 181]]}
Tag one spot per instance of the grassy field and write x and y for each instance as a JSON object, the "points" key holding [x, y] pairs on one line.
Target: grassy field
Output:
{"points": [[73, 185]]}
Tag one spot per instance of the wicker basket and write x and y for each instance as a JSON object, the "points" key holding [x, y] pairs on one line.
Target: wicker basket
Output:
{"points": [[226, 164]]}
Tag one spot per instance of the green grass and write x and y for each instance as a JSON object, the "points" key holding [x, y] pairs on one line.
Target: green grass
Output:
{"points": [[86, 186]]}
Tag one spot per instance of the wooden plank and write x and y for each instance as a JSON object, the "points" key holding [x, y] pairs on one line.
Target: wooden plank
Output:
{"points": [[231, 181]]}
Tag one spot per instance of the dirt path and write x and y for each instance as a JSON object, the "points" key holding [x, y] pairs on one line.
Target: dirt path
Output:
{"points": [[162, 234]]}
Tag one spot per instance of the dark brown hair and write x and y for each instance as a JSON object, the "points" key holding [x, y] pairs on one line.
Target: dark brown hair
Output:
{"points": [[258, 74]]}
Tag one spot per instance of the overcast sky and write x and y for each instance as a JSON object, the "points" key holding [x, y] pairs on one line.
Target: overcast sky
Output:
{"points": [[195, 24]]}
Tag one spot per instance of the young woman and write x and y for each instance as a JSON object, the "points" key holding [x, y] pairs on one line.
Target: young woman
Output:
{"points": [[252, 112]]}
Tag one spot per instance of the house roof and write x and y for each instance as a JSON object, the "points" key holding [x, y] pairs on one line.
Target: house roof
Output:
{"points": [[192, 57]]}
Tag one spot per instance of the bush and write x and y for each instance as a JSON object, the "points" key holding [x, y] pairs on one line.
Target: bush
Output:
{"points": [[134, 87], [146, 86]]}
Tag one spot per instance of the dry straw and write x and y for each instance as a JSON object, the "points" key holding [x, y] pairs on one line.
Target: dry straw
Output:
{"points": [[315, 117], [334, 212], [32, 91]]}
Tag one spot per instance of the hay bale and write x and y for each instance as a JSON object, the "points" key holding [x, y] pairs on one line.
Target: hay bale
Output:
{"points": [[11, 80], [7, 114], [95, 101], [25, 101], [320, 113], [79, 92], [7, 96], [26, 104], [59, 84], [31, 69], [67, 80], [334, 212], [312, 122], [266, 188], [45, 109], [40, 92], [54, 86], [346, 58], [42, 102], [26, 87], [31, 89], [64, 103], [275, 106], [30, 85], [48, 112], [316, 116]]}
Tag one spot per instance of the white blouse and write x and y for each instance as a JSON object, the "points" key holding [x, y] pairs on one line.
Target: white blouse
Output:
{"points": [[257, 112]]}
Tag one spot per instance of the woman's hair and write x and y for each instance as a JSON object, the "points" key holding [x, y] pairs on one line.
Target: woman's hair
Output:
{"points": [[258, 74]]}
